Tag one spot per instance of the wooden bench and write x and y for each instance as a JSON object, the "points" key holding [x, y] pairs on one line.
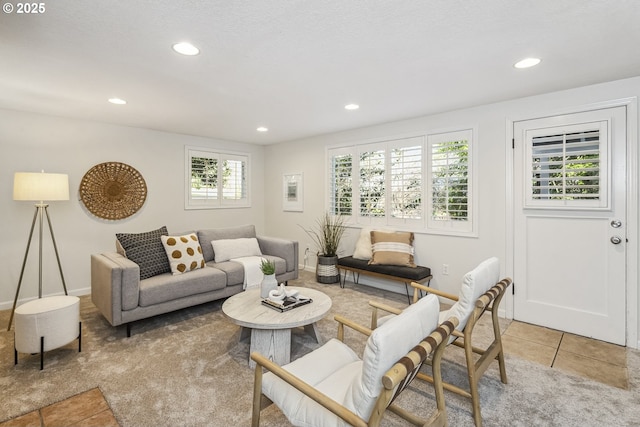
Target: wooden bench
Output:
{"points": [[395, 273]]}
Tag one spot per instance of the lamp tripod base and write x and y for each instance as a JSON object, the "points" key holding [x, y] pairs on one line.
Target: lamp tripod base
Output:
{"points": [[40, 213]]}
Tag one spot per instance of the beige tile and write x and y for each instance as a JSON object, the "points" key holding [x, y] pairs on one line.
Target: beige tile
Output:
{"points": [[32, 419], [74, 409], [597, 370], [528, 350], [537, 334], [594, 349], [102, 419]]}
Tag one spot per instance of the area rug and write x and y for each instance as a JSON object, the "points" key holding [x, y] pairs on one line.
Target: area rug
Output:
{"points": [[188, 368]]}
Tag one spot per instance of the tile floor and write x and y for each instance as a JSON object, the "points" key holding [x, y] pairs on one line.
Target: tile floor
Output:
{"points": [[597, 360], [88, 409], [600, 361]]}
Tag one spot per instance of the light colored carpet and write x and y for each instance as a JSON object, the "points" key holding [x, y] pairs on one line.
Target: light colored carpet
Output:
{"points": [[187, 368]]}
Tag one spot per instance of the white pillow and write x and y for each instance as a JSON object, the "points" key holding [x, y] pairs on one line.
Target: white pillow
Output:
{"points": [[226, 249], [363, 246]]}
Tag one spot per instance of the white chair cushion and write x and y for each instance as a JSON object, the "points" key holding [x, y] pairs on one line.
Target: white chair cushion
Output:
{"points": [[335, 370], [331, 369], [474, 283], [388, 343]]}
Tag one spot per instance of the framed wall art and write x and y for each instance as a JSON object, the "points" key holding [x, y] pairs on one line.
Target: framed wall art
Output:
{"points": [[292, 192]]}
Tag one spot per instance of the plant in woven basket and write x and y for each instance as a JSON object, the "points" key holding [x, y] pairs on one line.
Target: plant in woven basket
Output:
{"points": [[267, 266], [327, 234]]}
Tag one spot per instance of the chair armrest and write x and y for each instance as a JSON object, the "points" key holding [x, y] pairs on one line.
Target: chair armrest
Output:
{"points": [[375, 305], [419, 287], [343, 321], [262, 362]]}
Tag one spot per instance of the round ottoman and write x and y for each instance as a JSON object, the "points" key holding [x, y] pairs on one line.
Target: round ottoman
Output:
{"points": [[47, 323]]}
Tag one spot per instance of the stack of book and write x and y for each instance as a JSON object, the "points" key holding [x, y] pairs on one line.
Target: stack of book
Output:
{"points": [[289, 303]]}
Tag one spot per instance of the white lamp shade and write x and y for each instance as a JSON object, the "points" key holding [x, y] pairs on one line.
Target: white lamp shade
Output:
{"points": [[40, 186]]}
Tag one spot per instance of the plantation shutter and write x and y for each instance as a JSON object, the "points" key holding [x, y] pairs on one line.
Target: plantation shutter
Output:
{"points": [[450, 181], [234, 179], [341, 182], [204, 177], [372, 184], [568, 167], [406, 179]]}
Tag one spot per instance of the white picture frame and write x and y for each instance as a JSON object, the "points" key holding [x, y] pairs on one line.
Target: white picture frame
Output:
{"points": [[292, 192]]}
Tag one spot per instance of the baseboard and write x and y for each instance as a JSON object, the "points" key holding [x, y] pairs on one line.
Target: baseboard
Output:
{"points": [[7, 305], [367, 281]]}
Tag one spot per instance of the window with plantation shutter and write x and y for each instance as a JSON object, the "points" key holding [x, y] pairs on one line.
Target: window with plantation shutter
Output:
{"points": [[372, 186], [568, 167], [450, 195], [215, 179], [406, 182], [341, 183], [417, 182]]}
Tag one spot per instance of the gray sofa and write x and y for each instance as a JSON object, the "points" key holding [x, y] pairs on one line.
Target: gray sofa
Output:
{"points": [[122, 297]]}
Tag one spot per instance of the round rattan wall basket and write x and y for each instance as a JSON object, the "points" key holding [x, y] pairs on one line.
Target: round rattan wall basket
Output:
{"points": [[113, 190]]}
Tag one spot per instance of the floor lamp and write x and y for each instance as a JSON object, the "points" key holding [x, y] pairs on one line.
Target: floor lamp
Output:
{"points": [[39, 187]]}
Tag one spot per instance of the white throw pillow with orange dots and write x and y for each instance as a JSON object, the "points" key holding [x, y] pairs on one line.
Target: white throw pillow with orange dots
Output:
{"points": [[184, 253]]}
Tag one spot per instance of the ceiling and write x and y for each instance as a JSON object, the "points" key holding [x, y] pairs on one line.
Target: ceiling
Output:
{"points": [[292, 65]]}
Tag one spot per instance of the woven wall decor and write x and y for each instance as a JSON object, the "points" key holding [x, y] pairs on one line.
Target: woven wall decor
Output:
{"points": [[113, 190]]}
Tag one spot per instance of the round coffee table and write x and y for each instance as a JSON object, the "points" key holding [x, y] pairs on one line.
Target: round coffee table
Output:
{"points": [[270, 329]]}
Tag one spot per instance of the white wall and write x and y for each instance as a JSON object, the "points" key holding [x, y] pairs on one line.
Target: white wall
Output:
{"points": [[494, 147], [32, 142]]}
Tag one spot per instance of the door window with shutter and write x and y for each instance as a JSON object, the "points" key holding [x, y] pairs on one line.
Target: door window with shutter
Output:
{"points": [[568, 167]]}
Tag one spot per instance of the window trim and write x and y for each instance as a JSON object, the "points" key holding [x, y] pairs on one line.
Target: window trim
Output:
{"points": [[219, 202], [451, 226]]}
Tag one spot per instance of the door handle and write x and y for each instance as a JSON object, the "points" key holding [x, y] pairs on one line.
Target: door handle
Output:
{"points": [[616, 223], [616, 240]]}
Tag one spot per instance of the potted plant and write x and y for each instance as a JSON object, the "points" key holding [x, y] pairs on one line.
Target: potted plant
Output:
{"points": [[327, 234], [269, 281]]}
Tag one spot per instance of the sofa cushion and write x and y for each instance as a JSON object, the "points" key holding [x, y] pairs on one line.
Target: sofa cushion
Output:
{"points": [[146, 250], [233, 270], [226, 249], [206, 236], [395, 248], [184, 253], [167, 287]]}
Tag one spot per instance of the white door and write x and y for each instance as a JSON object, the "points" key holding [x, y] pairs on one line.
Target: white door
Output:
{"points": [[569, 223]]}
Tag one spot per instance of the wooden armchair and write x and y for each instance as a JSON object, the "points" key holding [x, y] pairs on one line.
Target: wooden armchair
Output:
{"points": [[332, 386], [480, 292]]}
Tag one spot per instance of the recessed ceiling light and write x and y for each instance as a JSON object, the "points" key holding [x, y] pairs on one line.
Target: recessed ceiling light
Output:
{"points": [[351, 107], [117, 101], [262, 129], [186, 48], [527, 62]]}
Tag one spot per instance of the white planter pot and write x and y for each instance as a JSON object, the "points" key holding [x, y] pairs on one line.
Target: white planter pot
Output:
{"points": [[269, 283]]}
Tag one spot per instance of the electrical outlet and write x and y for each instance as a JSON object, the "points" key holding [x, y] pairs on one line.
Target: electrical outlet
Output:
{"points": [[445, 269]]}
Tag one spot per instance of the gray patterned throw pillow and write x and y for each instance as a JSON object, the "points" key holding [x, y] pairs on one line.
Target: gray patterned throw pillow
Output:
{"points": [[146, 250]]}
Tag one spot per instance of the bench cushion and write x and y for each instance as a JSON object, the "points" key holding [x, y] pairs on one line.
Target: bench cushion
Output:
{"points": [[410, 273]]}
